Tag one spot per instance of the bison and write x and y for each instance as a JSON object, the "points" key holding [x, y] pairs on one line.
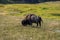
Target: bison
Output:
{"points": [[31, 18]]}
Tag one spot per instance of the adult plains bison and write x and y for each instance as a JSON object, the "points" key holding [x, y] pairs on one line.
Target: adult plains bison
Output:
{"points": [[32, 18]]}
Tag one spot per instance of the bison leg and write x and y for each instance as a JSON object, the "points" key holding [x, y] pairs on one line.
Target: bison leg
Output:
{"points": [[37, 23], [29, 22], [40, 24]]}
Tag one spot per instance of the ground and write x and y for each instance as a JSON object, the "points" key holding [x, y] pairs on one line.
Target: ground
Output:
{"points": [[12, 14]]}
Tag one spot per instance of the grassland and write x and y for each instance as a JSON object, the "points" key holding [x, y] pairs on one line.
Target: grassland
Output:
{"points": [[12, 14]]}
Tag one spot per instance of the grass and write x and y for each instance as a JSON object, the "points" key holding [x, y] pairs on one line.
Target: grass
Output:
{"points": [[12, 14], [43, 9]]}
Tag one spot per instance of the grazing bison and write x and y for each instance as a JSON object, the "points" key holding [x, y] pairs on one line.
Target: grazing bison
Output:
{"points": [[31, 18]]}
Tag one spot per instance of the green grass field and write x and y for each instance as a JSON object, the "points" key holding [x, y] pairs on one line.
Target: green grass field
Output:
{"points": [[12, 14]]}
